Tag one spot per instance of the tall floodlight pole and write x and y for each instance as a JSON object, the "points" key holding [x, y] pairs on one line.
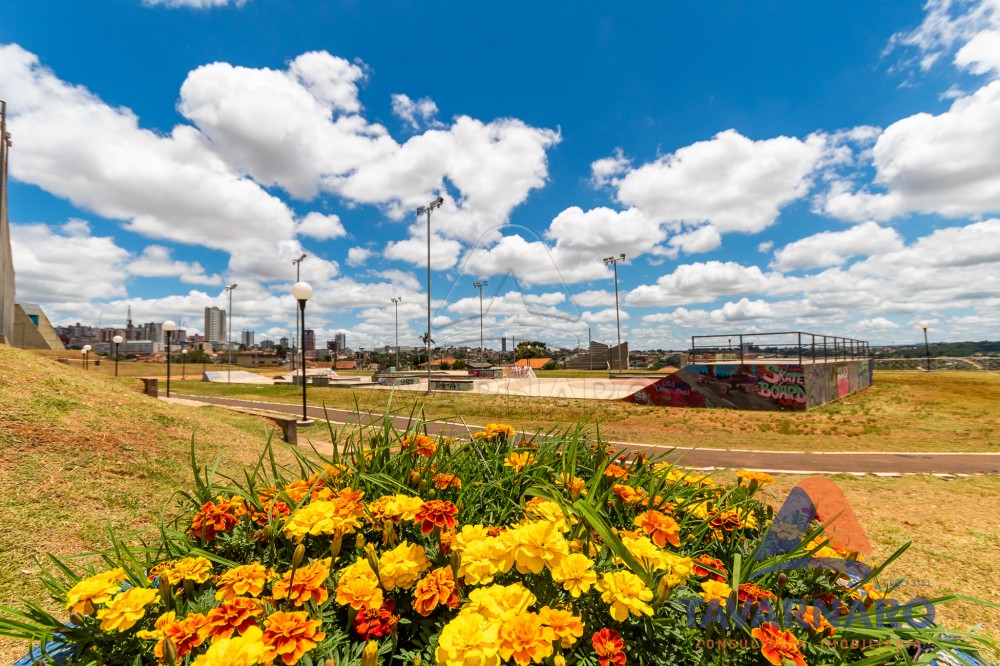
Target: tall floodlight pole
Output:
{"points": [[302, 291], [479, 286], [298, 278], [614, 262], [168, 330], [427, 340], [229, 335], [184, 367], [395, 302], [927, 347], [117, 340]]}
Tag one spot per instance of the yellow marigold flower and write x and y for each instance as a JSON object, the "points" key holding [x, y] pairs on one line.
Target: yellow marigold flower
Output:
{"points": [[748, 478], [246, 650], [195, 569], [247, 580], [288, 636], [358, 589], [576, 574], [157, 631], [499, 602], [539, 544], [525, 639], [126, 608], [518, 461], [97, 589], [402, 566], [646, 552], [469, 640], [625, 593], [330, 517], [682, 567], [309, 583], [714, 590], [236, 615], [435, 589], [550, 511], [661, 528], [567, 627], [477, 566], [396, 508], [470, 534]]}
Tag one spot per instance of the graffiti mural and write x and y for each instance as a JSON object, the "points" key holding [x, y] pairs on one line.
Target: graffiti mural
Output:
{"points": [[669, 391], [761, 386]]}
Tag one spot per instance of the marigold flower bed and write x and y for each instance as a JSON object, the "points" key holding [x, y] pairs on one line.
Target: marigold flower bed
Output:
{"points": [[405, 549]]}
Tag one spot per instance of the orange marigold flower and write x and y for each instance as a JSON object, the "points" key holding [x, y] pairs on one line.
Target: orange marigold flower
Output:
{"points": [[247, 580], [288, 636], [376, 622], [422, 445], [436, 588], [525, 639], [236, 616], [660, 528], [446, 481], [214, 518], [610, 647], [575, 485], [616, 472], [518, 461], [628, 494], [706, 566], [777, 645], [186, 635], [728, 520], [309, 583], [753, 593], [567, 627], [359, 591], [748, 478], [814, 620], [436, 513]]}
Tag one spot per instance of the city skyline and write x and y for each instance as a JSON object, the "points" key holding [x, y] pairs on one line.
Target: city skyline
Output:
{"points": [[831, 169]]}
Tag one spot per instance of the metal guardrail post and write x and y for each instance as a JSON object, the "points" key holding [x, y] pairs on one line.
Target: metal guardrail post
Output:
{"points": [[741, 349], [800, 348]]}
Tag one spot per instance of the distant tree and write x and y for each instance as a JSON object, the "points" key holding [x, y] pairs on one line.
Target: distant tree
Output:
{"points": [[531, 349], [551, 365], [445, 365], [460, 365]]}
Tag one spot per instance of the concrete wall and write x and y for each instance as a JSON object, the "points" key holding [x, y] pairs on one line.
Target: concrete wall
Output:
{"points": [[758, 386], [28, 335]]}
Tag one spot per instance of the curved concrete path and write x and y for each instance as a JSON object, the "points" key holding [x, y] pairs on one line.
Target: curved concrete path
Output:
{"points": [[787, 462]]}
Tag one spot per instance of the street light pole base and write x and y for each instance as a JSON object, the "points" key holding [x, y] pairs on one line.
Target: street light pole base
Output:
{"points": [[305, 424]]}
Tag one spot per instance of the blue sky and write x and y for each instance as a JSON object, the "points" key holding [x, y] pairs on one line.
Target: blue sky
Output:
{"points": [[828, 167]]}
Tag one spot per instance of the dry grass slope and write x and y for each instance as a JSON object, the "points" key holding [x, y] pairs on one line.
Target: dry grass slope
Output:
{"points": [[81, 452]]}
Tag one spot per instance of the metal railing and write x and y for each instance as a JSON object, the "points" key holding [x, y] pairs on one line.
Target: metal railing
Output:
{"points": [[968, 363], [785, 344]]}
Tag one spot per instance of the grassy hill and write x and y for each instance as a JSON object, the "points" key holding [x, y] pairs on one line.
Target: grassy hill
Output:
{"points": [[81, 451]]}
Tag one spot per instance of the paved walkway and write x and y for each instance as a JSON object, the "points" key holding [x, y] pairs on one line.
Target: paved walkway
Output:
{"points": [[788, 462]]}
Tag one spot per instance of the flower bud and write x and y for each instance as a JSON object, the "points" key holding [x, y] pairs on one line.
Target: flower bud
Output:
{"points": [[76, 618], [338, 543], [330, 661], [359, 542], [369, 657], [665, 588], [416, 660], [169, 651], [782, 581], [298, 555], [188, 588], [456, 563], [559, 660], [164, 586], [267, 533]]}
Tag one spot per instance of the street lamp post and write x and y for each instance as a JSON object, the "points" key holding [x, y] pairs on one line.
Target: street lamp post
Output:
{"points": [[184, 356], [168, 330], [395, 302], [86, 356], [117, 340], [927, 347], [479, 286], [302, 291], [229, 335], [427, 209], [614, 262]]}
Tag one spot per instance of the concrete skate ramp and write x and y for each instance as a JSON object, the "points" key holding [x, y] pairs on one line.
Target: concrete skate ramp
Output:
{"points": [[235, 377], [774, 384]]}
